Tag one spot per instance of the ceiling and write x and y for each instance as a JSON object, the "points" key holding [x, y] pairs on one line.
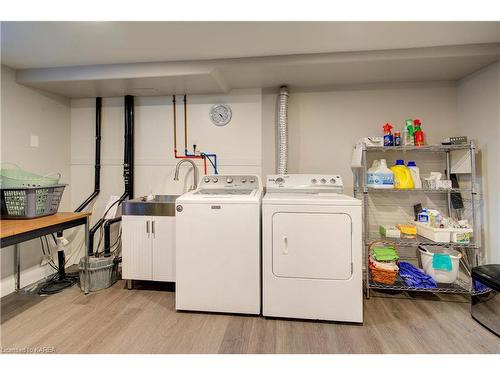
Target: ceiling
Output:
{"points": [[27, 45], [87, 59]]}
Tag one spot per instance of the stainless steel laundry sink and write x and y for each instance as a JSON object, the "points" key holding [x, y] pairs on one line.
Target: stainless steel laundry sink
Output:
{"points": [[160, 205]]}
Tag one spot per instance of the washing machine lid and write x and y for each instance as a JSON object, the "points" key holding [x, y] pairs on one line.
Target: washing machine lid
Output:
{"points": [[315, 198]]}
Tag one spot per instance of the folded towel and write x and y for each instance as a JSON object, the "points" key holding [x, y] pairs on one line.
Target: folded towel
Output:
{"points": [[385, 254], [441, 262], [386, 266], [414, 277]]}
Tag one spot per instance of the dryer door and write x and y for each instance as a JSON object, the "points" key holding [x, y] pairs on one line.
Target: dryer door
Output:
{"points": [[312, 245]]}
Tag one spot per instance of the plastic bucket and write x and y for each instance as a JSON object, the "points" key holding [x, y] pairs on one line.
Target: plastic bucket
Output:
{"points": [[15, 177], [441, 276]]}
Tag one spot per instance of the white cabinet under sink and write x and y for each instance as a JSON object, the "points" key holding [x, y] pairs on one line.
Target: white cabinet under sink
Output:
{"points": [[148, 248]]}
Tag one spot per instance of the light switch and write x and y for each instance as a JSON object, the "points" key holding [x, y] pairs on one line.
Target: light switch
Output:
{"points": [[34, 140]]}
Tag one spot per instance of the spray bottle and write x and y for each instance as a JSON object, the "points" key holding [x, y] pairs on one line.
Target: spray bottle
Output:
{"points": [[409, 133], [419, 136], [388, 139]]}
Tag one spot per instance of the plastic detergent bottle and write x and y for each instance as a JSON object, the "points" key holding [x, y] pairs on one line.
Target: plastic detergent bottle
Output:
{"points": [[388, 139], [415, 174], [423, 216], [379, 176], [402, 175], [419, 136], [408, 133]]}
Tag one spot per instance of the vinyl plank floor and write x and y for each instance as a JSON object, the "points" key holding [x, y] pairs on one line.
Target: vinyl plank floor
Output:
{"points": [[144, 320]]}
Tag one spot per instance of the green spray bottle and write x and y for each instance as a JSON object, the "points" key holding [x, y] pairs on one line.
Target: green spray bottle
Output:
{"points": [[409, 133]]}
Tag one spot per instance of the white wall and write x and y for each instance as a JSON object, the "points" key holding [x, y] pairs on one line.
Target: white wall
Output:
{"points": [[238, 145], [479, 119], [324, 126], [27, 112]]}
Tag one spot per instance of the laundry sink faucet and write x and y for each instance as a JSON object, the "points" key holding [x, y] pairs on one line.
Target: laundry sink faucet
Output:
{"points": [[195, 169]]}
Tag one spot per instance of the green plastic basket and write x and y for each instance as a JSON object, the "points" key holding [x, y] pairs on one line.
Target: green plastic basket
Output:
{"points": [[17, 177]]}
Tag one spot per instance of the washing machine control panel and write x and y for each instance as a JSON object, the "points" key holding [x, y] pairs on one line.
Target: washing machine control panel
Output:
{"points": [[230, 181], [301, 182]]}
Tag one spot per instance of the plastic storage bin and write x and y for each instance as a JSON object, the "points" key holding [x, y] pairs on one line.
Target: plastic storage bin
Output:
{"points": [[28, 203], [447, 277], [103, 273], [433, 234]]}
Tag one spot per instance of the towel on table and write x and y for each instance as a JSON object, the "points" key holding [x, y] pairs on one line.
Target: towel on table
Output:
{"points": [[414, 277], [385, 254], [441, 262]]}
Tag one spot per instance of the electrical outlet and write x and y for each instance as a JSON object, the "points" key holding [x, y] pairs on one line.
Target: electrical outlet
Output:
{"points": [[34, 141]]}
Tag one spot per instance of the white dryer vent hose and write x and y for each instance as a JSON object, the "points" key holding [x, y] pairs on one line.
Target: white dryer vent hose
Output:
{"points": [[282, 164]]}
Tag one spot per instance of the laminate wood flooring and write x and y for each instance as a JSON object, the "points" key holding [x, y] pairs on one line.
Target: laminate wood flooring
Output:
{"points": [[144, 320]]}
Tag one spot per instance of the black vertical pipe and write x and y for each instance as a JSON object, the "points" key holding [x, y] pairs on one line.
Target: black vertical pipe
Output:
{"points": [[107, 235], [132, 124], [97, 166], [128, 174], [97, 173], [129, 142]]}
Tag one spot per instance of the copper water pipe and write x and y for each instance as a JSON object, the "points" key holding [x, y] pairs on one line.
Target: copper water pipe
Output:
{"points": [[175, 126], [185, 124]]}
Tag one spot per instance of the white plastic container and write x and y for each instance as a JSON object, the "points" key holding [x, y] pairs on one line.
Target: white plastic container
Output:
{"points": [[440, 276], [379, 176], [415, 174], [433, 234]]}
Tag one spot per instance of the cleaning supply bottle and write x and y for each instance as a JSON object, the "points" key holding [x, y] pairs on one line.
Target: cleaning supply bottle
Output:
{"points": [[397, 138], [423, 217], [409, 133], [379, 176], [388, 139], [415, 174], [402, 175], [419, 136]]}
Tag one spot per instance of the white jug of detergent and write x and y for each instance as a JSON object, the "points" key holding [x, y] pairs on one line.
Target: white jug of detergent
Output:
{"points": [[379, 176], [415, 174]]}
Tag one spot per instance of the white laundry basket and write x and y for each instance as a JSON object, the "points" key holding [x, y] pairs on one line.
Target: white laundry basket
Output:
{"points": [[447, 277]]}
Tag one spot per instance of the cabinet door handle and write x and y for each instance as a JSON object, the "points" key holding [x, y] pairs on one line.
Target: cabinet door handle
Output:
{"points": [[153, 228], [147, 227]]}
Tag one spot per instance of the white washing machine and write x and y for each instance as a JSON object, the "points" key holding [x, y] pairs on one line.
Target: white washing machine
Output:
{"points": [[218, 246], [311, 249]]}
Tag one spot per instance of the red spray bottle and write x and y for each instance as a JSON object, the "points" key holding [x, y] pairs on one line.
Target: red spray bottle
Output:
{"points": [[419, 135]]}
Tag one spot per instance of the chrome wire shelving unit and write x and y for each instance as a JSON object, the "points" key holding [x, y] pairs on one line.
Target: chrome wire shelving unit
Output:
{"points": [[470, 252]]}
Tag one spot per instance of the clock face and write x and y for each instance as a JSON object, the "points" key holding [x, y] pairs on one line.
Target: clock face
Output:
{"points": [[220, 114]]}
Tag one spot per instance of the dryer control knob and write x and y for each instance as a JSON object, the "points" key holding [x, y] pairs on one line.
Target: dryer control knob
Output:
{"points": [[229, 180], [323, 181], [206, 180], [251, 181], [333, 180], [243, 180], [314, 181], [279, 180], [215, 179]]}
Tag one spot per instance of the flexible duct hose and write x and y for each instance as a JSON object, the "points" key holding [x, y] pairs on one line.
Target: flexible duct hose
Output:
{"points": [[283, 131]]}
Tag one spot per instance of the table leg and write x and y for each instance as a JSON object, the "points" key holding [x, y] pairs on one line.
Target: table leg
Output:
{"points": [[17, 268], [86, 276]]}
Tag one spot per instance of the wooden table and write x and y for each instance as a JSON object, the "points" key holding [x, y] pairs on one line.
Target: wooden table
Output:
{"points": [[13, 232]]}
